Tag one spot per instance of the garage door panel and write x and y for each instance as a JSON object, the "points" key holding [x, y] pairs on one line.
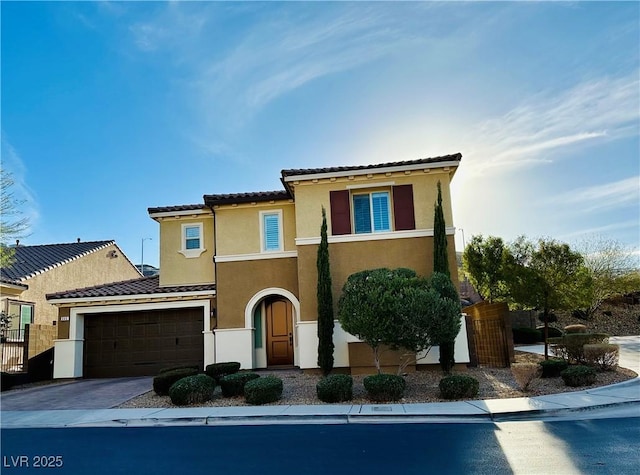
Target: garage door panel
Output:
{"points": [[142, 343]]}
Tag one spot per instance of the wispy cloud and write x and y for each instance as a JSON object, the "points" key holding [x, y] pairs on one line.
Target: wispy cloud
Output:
{"points": [[545, 124], [602, 196]]}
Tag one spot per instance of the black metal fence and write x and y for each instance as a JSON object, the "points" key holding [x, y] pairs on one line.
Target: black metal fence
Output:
{"points": [[13, 348]]}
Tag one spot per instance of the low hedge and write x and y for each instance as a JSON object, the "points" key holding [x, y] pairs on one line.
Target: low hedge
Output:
{"points": [[192, 390], [163, 382], [571, 346], [384, 387], [578, 375], [458, 386], [219, 370], [526, 335], [233, 384], [553, 367], [335, 388], [263, 390]]}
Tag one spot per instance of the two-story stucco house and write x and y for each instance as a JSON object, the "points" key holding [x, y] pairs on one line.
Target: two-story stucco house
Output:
{"points": [[238, 272]]}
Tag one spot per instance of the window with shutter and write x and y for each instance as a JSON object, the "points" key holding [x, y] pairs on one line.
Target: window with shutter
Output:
{"points": [[403, 211], [271, 231], [371, 212]]}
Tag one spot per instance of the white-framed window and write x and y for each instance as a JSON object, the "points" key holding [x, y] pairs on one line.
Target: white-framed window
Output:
{"points": [[371, 212], [21, 314], [192, 240], [271, 235]]}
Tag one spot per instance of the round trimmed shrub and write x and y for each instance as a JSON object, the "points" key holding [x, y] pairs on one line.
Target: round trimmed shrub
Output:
{"points": [[173, 368], [552, 368], [233, 384], [384, 387], [577, 328], [335, 388], [218, 370], [526, 335], [263, 390], [458, 386], [192, 390], [163, 382], [578, 375]]}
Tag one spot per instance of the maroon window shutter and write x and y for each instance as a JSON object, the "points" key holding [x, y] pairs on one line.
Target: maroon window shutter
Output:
{"points": [[403, 207], [340, 212]]}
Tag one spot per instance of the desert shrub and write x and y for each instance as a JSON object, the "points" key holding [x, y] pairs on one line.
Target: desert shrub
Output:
{"points": [[192, 390], [578, 375], [263, 390], [551, 318], [233, 384], [335, 388], [553, 332], [577, 328], [553, 367], [458, 386], [604, 356], [574, 344], [164, 381], [525, 373], [173, 368], [219, 370], [526, 335], [384, 387]]}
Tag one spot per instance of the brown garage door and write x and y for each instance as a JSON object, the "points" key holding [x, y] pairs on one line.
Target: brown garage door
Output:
{"points": [[142, 343]]}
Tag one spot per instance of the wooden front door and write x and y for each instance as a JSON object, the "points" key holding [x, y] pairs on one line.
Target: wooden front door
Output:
{"points": [[279, 332]]}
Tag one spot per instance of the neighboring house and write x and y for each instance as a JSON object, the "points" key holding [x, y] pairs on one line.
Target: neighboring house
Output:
{"points": [[38, 270], [147, 270], [238, 280]]}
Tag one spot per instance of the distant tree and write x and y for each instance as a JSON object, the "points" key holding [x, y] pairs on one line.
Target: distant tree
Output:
{"points": [[391, 308], [546, 275], [12, 225], [325, 302], [440, 256], [483, 263], [613, 271]]}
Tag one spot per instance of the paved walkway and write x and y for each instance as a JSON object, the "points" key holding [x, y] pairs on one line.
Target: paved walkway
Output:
{"points": [[623, 394]]}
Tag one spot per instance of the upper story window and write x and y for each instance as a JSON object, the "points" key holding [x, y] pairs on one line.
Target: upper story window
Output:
{"points": [[376, 211], [271, 231], [192, 240]]}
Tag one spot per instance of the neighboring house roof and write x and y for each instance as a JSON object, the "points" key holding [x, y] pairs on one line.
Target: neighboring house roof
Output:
{"points": [[257, 196], [13, 283], [141, 286], [423, 161], [178, 208], [29, 261]]}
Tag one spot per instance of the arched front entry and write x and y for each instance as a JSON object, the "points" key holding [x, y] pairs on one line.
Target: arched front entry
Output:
{"points": [[272, 314], [278, 320]]}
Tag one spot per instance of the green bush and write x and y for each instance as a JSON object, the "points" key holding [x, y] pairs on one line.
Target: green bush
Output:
{"points": [[458, 386], [384, 387], [553, 332], [578, 375], [219, 370], [526, 335], [173, 368], [263, 390], [335, 388], [164, 381], [603, 356], [553, 367], [233, 384], [571, 346], [192, 390]]}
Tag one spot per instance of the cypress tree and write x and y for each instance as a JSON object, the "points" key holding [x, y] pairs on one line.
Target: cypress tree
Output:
{"points": [[325, 302], [441, 264]]}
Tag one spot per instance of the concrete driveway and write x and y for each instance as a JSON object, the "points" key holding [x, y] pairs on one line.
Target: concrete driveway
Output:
{"points": [[79, 394]]}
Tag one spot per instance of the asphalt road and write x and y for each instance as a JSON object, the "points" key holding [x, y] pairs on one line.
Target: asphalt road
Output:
{"points": [[525, 447]]}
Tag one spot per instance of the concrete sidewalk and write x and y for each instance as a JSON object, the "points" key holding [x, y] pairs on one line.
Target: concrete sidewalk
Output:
{"points": [[623, 394]]}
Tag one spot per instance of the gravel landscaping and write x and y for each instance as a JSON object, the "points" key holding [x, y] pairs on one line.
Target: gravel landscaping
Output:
{"points": [[422, 386]]}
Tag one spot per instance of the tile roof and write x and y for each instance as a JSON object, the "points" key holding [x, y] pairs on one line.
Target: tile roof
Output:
{"points": [[169, 209], [31, 260], [257, 196], [17, 283], [141, 286], [314, 171]]}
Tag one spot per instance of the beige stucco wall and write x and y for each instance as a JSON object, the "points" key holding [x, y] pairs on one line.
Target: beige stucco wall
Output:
{"points": [[348, 258], [240, 281], [93, 269], [238, 227], [311, 196], [175, 268]]}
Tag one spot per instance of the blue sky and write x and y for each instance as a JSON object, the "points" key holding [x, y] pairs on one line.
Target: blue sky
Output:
{"points": [[109, 108]]}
